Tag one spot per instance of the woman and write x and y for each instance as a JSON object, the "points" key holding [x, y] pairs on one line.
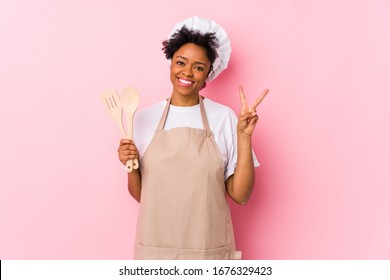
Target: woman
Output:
{"points": [[192, 152]]}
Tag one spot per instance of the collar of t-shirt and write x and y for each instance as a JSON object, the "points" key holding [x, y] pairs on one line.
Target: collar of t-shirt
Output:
{"points": [[183, 116]]}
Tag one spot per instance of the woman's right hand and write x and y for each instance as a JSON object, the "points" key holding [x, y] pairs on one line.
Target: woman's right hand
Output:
{"points": [[127, 150]]}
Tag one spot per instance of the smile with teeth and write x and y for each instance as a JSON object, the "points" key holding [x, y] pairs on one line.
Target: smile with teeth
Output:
{"points": [[185, 82]]}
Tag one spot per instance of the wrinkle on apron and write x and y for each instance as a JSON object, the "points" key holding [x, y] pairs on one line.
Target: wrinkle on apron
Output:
{"points": [[183, 211]]}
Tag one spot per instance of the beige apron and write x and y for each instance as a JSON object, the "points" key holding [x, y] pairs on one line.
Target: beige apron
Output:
{"points": [[183, 211]]}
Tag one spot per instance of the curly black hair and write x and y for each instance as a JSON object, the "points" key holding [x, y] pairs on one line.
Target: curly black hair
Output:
{"points": [[208, 40]]}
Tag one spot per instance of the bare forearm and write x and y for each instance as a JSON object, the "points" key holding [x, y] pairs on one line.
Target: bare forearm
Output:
{"points": [[134, 184], [240, 184], [128, 151]]}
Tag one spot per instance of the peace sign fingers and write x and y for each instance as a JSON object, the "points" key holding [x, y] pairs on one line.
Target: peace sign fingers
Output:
{"points": [[244, 104], [260, 98]]}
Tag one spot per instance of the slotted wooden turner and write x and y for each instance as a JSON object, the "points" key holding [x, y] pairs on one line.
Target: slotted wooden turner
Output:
{"points": [[113, 107]]}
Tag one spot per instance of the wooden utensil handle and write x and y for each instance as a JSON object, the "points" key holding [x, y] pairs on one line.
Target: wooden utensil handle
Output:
{"points": [[136, 164], [130, 126], [131, 165]]}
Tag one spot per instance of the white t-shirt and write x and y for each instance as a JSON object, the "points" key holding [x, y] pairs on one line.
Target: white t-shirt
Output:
{"points": [[222, 121]]}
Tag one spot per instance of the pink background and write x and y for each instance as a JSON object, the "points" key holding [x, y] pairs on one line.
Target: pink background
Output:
{"points": [[322, 191]]}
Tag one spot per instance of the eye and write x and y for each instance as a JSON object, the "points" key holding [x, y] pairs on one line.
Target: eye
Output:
{"points": [[199, 68], [181, 63]]}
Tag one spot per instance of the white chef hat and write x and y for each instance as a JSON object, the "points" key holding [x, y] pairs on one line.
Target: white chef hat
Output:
{"points": [[208, 26]]}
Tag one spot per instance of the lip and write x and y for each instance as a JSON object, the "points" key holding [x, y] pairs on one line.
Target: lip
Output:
{"points": [[184, 82]]}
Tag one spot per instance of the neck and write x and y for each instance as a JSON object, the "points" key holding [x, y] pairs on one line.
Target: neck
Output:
{"points": [[179, 100]]}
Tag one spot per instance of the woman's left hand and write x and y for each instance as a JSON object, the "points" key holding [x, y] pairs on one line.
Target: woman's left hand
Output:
{"points": [[248, 116]]}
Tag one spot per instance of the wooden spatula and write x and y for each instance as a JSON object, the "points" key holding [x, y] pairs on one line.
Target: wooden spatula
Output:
{"points": [[113, 106], [130, 102]]}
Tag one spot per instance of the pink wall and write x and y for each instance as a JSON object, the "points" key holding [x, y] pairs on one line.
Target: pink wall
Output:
{"points": [[322, 191]]}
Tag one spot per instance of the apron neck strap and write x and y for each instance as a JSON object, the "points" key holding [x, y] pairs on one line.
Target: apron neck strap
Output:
{"points": [[205, 122]]}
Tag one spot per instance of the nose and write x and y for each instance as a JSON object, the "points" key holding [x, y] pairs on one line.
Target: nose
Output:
{"points": [[187, 71]]}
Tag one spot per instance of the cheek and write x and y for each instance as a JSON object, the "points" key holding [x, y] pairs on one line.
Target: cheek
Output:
{"points": [[173, 69], [203, 76], [172, 74]]}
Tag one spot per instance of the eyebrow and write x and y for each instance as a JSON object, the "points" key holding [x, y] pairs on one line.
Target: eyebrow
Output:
{"points": [[196, 62]]}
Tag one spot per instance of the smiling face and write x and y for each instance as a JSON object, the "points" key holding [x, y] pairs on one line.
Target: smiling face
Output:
{"points": [[189, 69]]}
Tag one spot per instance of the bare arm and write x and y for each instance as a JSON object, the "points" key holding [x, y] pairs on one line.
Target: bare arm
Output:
{"points": [[239, 186], [134, 184], [127, 150]]}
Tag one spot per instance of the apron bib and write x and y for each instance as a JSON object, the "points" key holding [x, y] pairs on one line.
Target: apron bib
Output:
{"points": [[183, 210]]}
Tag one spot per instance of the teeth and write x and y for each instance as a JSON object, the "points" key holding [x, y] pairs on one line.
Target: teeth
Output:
{"points": [[184, 81]]}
